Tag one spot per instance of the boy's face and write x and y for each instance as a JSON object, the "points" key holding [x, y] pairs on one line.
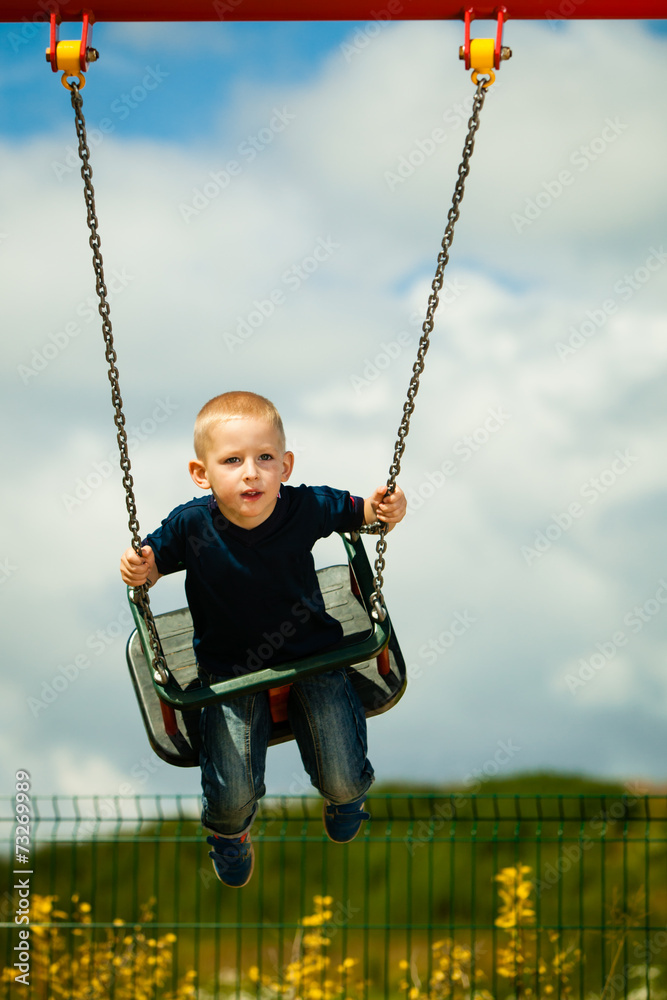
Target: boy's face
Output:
{"points": [[244, 465]]}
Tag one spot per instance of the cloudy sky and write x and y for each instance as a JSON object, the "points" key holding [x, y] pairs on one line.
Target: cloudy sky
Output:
{"points": [[271, 202]]}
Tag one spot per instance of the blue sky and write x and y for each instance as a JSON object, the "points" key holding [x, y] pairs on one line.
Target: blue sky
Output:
{"points": [[219, 59], [535, 465]]}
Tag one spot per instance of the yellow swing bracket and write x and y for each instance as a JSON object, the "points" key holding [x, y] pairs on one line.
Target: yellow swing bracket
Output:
{"points": [[483, 55], [72, 58]]}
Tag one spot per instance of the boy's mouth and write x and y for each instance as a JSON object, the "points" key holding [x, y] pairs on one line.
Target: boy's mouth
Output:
{"points": [[251, 494]]}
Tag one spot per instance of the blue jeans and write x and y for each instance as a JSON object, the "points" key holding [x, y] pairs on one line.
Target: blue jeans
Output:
{"points": [[329, 726]]}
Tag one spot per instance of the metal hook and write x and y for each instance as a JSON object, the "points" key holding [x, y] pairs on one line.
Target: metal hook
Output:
{"points": [[72, 58], [483, 55]]}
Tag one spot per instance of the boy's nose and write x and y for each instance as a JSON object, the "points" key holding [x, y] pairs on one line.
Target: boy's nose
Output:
{"points": [[250, 471]]}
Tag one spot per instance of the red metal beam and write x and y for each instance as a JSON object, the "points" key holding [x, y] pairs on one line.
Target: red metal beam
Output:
{"points": [[325, 10]]}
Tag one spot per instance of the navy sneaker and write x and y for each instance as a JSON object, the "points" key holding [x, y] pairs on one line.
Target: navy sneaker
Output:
{"points": [[342, 823], [233, 859]]}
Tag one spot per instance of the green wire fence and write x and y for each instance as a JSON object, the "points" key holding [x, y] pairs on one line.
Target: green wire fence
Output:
{"points": [[440, 896]]}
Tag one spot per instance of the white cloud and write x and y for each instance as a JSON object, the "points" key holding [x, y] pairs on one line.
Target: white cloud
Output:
{"points": [[74, 776]]}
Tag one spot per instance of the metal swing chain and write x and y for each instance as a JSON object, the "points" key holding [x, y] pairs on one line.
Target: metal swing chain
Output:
{"points": [[379, 612], [140, 593]]}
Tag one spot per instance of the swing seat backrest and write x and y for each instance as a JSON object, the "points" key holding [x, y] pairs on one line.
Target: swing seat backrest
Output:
{"points": [[369, 651]]}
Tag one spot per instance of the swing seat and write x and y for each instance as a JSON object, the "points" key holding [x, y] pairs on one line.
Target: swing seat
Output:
{"points": [[368, 650]]}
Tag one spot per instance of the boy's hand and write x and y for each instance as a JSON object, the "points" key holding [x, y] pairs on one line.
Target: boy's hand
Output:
{"points": [[389, 509], [137, 570]]}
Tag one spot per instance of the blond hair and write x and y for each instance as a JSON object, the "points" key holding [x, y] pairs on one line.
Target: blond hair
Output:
{"points": [[229, 406]]}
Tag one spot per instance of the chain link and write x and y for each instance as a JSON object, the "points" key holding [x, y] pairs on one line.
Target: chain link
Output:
{"points": [[140, 593], [379, 611]]}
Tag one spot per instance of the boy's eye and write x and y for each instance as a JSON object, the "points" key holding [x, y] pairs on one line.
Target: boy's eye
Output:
{"points": [[230, 461], [265, 458]]}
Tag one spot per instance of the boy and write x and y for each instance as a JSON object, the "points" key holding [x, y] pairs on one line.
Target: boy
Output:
{"points": [[250, 576]]}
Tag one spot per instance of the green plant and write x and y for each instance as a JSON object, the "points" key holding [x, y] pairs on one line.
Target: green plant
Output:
{"points": [[309, 976], [71, 964]]}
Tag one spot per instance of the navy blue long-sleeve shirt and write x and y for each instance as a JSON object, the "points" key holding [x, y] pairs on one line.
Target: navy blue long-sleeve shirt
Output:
{"points": [[253, 592]]}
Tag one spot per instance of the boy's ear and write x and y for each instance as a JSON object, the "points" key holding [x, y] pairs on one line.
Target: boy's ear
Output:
{"points": [[288, 465], [197, 471]]}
